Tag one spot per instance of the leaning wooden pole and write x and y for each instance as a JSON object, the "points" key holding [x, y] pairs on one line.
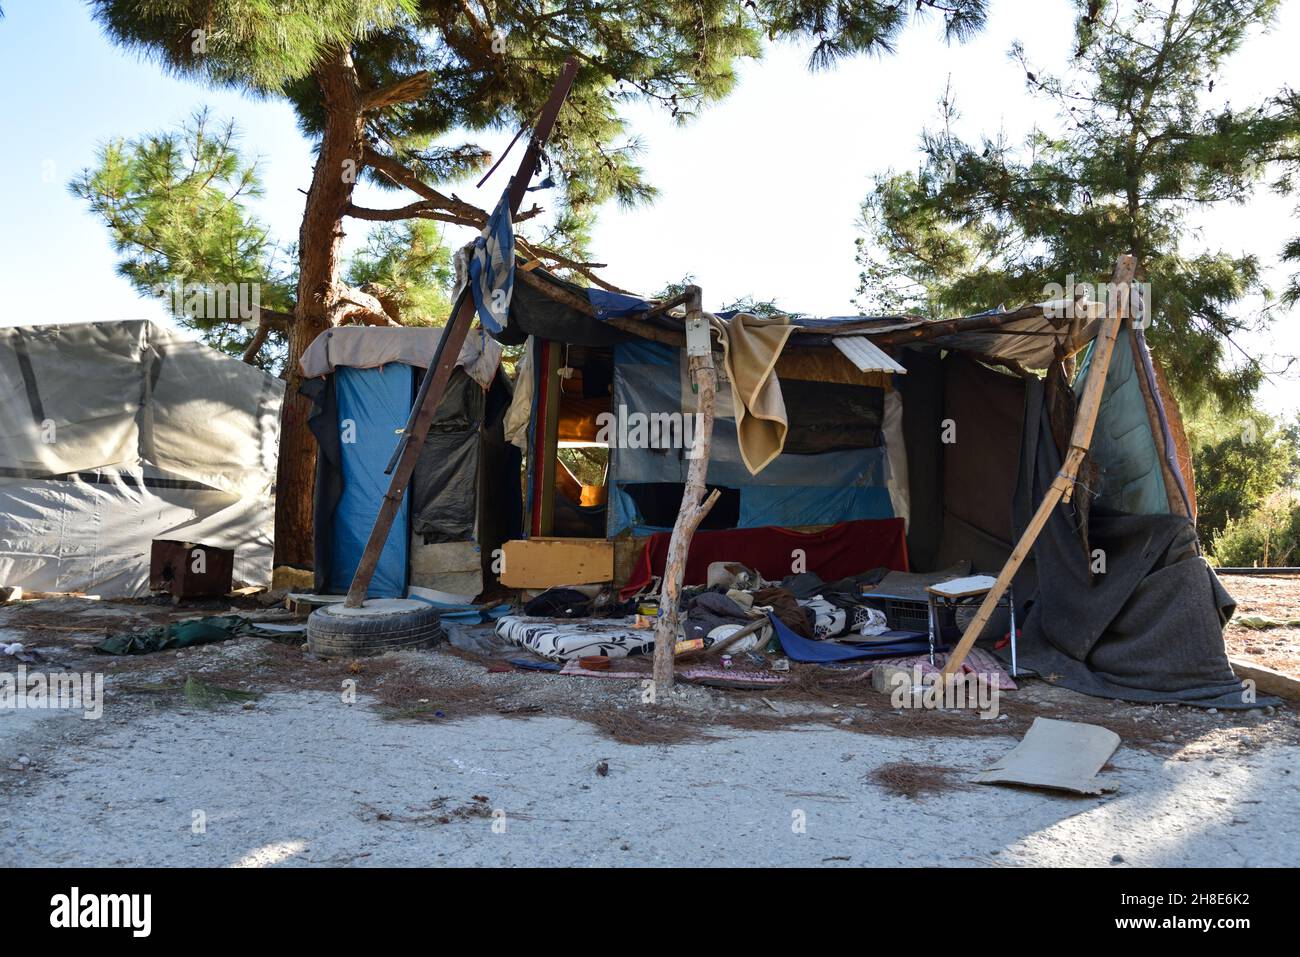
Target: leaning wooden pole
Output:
{"points": [[439, 372], [694, 504], [1063, 485]]}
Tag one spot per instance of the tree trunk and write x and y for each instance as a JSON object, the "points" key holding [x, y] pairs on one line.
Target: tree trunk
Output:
{"points": [[693, 510], [319, 240]]}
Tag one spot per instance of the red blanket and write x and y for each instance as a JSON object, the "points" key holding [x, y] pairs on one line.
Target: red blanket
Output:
{"points": [[848, 548]]}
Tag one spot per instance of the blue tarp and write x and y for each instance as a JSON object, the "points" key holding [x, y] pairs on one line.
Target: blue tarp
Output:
{"points": [[614, 305], [373, 405], [799, 648], [794, 489]]}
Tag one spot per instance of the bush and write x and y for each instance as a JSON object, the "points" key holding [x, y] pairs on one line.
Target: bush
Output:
{"points": [[1267, 536]]}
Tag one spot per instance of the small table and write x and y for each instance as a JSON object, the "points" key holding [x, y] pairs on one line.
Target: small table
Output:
{"points": [[958, 590]]}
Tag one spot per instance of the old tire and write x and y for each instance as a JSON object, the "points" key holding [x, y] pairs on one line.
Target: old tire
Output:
{"points": [[378, 626]]}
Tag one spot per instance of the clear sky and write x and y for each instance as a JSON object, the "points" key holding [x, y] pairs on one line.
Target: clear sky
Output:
{"points": [[758, 196]]}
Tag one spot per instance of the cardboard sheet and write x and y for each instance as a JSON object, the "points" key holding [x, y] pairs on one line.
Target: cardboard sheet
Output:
{"points": [[1057, 755]]}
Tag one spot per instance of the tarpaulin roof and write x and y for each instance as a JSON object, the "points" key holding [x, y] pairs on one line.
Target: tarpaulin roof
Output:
{"points": [[1027, 340]]}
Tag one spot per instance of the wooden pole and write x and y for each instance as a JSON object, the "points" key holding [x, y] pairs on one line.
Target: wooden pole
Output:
{"points": [[439, 372], [1062, 486], [693, 510]]}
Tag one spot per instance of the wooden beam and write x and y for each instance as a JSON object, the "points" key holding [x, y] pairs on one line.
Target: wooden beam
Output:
{"points": [[1267, 680], [439, 372], [1062, 486], [948, 327]]}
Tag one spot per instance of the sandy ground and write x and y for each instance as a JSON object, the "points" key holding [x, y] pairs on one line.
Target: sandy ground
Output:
{"points": [[438, 761], [1278, 598]]}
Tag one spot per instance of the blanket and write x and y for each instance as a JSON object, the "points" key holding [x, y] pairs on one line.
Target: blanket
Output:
{"points": [[564, 640], [750, 348]]}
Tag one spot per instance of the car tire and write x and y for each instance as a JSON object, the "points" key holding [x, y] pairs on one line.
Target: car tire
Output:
{"points": [[378, 626]]}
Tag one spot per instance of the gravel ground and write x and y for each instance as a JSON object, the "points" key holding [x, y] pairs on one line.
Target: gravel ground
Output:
{"points": [[438, 761]]}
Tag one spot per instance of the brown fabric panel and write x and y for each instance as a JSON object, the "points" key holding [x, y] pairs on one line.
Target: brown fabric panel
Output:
{"points": [[981, 467], [1182, 448], [1174, 496]]}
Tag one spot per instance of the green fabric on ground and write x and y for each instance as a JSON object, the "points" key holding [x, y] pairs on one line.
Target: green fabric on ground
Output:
{"points": [[180, 634], [1263, 622]]}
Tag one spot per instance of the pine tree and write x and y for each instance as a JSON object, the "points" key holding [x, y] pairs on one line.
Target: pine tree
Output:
{"points": [[1134, 154]]}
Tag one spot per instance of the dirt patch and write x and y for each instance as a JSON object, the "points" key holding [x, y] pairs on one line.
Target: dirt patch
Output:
{"points": [[1277, 648], [904, 779]]}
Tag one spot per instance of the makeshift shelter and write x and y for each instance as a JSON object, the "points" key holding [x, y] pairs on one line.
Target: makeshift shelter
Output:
{"points": [[915, 444], [113, 434], [463, 498]]}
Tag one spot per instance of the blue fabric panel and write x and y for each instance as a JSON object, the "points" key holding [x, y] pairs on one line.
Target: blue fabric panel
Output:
{"points": [[648, 382], [799, 648], [811, 505], [378, 402], [614, 305], [1123, 446], [646, 353]]}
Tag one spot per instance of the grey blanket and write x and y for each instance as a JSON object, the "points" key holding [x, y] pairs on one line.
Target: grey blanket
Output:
{"points": [[1151, 628]]}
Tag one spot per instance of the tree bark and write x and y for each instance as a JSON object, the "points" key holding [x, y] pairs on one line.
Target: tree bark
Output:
{"points": [[693, 510], [319, 240]]}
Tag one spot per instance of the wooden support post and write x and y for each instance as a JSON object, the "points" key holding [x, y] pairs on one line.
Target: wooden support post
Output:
{"points": [[1062, 486], [693, 509], [439, 372], [546, 442]]}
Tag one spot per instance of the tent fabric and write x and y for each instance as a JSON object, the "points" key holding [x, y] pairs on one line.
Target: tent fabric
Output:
{"points": [[921, 392], [444, 492], [1150, 628], [373, 404], [1130, 476], [113, 434], [986, 411], [1170, 447], [750, 349], [371, 347], [650, 380], [519, 416], [798, 648], [811, 505], [840, 551], [492, 267], [896, 449]]}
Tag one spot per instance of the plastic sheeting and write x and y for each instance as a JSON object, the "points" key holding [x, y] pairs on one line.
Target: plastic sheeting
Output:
{"points": [[652, 400], [373, 405], [113, 434]]}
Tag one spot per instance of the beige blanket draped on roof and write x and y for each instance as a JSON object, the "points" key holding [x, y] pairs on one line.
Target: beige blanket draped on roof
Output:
{"points": [[750, 347]]}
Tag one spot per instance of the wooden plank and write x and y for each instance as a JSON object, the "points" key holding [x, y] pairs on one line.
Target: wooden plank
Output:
{"points": [[548, 562], [1063, 485], [1267, 680]]}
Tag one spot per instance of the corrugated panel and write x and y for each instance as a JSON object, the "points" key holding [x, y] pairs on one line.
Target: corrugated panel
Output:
{"points": [[866, 355]]}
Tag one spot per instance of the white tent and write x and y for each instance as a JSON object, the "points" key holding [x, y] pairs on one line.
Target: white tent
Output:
{"points": [[113, 434]]}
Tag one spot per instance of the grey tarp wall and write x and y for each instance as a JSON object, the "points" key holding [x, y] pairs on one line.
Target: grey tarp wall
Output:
{"points": [[113, 434]]}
